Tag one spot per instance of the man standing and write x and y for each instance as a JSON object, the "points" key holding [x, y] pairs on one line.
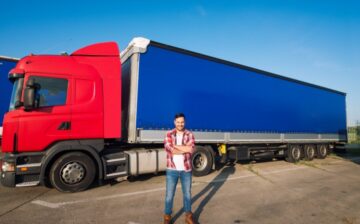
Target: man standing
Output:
{"points": [[179, 145]]}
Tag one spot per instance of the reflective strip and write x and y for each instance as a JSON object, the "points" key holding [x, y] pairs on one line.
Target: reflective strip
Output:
{"points": [[29, 165], [28, 184], [115, 160], [116, 174]]}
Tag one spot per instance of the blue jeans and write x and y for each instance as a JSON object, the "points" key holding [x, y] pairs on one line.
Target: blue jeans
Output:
{"points": [[172, 177]]}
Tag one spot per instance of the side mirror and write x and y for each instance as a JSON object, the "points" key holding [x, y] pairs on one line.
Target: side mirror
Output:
{"points": [[29, 95]]}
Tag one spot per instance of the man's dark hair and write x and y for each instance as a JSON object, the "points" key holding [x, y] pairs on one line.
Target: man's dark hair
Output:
{"points": [[179, 115]]}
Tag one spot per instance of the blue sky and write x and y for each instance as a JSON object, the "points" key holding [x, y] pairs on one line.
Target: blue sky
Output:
{"points": [[313, 41]]}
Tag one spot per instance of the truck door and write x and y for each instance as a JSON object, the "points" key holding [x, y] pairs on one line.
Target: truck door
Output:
{"points": [[50, 120]]}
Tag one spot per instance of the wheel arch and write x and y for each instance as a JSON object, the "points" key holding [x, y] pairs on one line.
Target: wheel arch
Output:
{"points": [[61, 148]]}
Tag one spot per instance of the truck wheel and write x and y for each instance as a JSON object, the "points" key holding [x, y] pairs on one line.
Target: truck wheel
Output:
{"points": [[309, 152], [294, 153], [201, 161], [72, 172], [322, 151]]}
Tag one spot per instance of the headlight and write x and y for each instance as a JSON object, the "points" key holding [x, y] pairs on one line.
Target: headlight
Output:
{"points": [[8, 167]]}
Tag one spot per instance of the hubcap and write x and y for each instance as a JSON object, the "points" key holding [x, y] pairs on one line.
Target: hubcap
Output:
{"points": [[323, 150], [311, 151], [200, 161], [72, 173], [296, 153]]}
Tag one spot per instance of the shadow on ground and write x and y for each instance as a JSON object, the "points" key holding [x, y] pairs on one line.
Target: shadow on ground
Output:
{"points": [[349, 152], [209, 190]]}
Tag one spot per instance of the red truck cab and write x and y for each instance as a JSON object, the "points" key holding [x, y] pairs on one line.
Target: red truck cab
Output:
{"points": [[61, 103]]}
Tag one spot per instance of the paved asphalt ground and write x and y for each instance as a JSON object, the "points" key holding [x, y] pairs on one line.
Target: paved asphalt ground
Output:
{"points": [[320, 191]]}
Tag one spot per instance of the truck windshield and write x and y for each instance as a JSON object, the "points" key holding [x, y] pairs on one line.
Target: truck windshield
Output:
{"points": [[16, 93]]}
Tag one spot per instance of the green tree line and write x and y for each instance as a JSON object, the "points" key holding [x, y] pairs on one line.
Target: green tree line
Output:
{"points": [[354, 134]]}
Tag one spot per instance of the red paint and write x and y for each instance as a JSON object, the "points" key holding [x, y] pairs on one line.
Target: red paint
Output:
{"points": [[10, 128], [17, 71], [100, 49], [93, 103], [39, 128]]}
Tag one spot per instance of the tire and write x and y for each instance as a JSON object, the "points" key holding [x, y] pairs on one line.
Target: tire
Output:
{"points": [[201, 161], [294, 153], [72, 172], [322, 151], [309, 152]]}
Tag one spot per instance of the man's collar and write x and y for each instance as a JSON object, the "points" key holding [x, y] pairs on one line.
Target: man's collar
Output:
{"points": [[174, 131]]}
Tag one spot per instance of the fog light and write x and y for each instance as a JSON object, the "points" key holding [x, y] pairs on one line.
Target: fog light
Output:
{"points": [[8, 167]]}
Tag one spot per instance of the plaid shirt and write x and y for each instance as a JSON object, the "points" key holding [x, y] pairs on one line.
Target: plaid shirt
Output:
{"points": [[170, 142]]}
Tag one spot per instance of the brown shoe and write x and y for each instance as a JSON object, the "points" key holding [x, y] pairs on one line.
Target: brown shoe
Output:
{"points": [[167, 219], [189, 218]]}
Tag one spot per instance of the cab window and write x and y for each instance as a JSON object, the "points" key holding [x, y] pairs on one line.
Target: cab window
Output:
{"points": [[50, 91]]}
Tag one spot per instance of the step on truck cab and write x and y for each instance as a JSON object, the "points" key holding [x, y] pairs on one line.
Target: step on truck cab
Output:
{"points": [[97, 114]]}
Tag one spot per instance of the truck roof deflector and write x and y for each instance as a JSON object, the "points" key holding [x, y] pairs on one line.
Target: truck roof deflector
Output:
{"points": [[99, 49]]}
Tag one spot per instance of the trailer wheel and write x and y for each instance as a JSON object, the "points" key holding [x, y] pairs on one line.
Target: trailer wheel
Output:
{"points": [[72, 172], [201, 161], [294, 153], [322, 151], [309, 152]]}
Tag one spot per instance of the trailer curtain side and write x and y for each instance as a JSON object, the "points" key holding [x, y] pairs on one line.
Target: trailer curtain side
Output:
{"points": [[228, 102]]}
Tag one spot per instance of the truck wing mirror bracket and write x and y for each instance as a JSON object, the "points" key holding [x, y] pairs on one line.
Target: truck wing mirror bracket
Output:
{"points": [[18, 104]]}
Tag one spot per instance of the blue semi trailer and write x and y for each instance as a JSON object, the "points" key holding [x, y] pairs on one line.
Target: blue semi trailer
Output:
{"points": [[6, 64], [235, 111]]}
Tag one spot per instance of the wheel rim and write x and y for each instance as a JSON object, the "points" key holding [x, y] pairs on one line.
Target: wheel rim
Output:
{"points": [[199, 161], [323, 150], [72, 173], [311, 151], [296, 153]]}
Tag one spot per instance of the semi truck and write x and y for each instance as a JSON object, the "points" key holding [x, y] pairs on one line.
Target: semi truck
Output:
{"points": [[6, 64], [96, 114]]}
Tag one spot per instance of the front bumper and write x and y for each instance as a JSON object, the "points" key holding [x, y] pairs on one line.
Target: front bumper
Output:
{"points": [[26, 172], [8, 179]]}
